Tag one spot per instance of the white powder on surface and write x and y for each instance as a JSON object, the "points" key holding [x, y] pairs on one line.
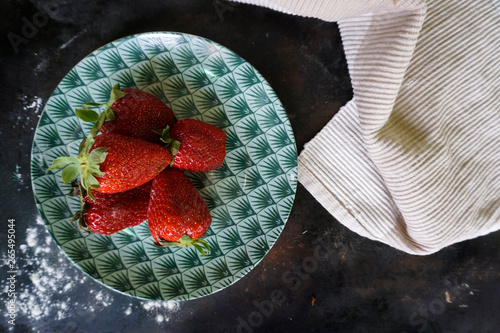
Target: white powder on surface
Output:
{"points": [[170, 305], [128, 312], [35, 299], [32, 237], [48, 292]]}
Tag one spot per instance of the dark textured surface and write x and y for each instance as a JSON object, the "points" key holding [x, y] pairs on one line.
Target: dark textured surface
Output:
{"points": [[358, 285]]}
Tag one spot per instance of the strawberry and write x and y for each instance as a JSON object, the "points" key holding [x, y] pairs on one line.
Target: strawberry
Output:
{"points": [[130, 112], [177, 214], [196, 146], [129, 162], [139, 114], [110, 213], [111, 163]]}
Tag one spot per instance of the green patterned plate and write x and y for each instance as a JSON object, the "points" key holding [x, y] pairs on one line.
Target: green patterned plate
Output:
{"points": [[249, 197]]}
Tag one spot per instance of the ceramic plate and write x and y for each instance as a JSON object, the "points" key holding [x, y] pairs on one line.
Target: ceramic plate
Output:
{"points": [[249, 197]]}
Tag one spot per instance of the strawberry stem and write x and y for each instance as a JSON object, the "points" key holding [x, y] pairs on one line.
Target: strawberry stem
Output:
{"points": [[80, 215], [186, 241], [75, 189], [172, 145], [164, 134]]}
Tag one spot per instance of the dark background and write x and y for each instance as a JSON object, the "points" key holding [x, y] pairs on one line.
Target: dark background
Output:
{"points": [[356, 286]]}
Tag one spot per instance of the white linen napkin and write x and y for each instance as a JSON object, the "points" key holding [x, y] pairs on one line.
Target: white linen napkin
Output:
{"points": [[413, 160]]}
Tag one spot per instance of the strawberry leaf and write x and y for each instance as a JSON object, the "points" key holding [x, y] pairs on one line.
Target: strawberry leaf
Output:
{"points": [[92, 105], [90, 194], [94, 170], [85, 146], [85, 182], [70, 172], [98, 155], [98, 124], [204, 243], [109, 114], [61, 162], [116, 93], [91, 116], [89, 182], [164, 135], [199, 248], [174, 147], [93, 181], [87, 115], [186, 241]]}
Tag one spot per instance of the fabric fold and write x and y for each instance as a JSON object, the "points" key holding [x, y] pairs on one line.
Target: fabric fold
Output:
{"points": [[413, 160]]}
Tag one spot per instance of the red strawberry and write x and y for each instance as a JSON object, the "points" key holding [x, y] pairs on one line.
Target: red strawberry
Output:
{"points": [[130, 112], [110, 213], [177, 214], [129, 162], [111, 163], [202, 146], [139, 114]]}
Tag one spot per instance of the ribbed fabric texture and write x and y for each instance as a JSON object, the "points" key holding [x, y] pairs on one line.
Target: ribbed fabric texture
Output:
{"points": [[414, 159]]}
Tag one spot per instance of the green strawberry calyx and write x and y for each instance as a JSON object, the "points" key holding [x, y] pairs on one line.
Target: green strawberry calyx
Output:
{"points": [[199, 244], [88, 115], [86, 165], [172, 145], [80, 216], [78, 191]]}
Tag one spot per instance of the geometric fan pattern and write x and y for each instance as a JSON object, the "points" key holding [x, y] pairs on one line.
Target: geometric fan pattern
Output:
{"points": [[249, 197]]}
